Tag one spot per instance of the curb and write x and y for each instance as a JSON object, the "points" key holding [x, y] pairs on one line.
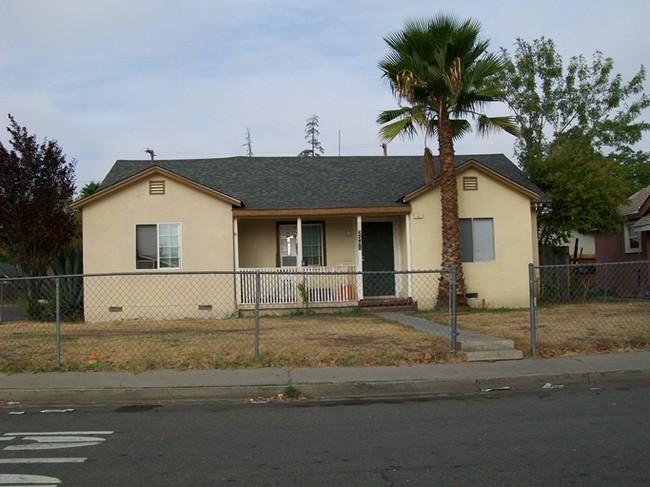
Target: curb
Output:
{"points": [[320, 391]]}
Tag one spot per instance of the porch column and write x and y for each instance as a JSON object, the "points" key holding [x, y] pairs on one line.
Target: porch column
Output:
{"points": [[235, 238], [407, 226], [299, 242], [359, 247]]}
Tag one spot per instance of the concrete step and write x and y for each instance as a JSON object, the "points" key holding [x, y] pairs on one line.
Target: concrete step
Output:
{"points": [[493, 355], [388, 305], [478, 345]]}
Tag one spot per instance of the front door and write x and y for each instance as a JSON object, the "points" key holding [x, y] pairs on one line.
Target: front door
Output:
{"points": [[378, 255]]}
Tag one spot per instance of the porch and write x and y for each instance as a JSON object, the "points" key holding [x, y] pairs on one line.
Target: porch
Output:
{"points": [[322, 287], [290, 287]]}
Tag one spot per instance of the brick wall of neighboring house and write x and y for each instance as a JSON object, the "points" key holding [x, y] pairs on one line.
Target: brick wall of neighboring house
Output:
{"points": [[609, 248]]}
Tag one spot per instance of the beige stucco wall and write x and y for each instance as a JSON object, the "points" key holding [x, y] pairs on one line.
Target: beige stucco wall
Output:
{"points": [[499, 283], [340, 237], [156, 296], [109, 247], [257, 245]]}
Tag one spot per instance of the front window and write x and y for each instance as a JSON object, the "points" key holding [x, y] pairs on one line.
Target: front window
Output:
{"points": [[312, 245], [158, 246], [632, 239], [476, 239]]}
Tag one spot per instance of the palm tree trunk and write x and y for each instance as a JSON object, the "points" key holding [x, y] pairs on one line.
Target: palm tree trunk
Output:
{"points": [[451, 257]]}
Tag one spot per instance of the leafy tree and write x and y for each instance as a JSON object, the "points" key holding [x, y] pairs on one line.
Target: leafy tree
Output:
{"points": [[89, 188], [441, 68], [311, 136], [589, 105], [549, 101], [585, 187], [36, 188]]}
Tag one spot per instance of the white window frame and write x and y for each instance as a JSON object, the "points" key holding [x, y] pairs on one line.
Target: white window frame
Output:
{"points": [[482, 240], [630, 235], [156, 261], [288, 243], [321, 245]]}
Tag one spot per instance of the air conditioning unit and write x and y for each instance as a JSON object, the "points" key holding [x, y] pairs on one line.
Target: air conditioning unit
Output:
{"points": [[288, 261]]}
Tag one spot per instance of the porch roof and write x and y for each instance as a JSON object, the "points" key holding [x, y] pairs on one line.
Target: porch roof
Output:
{"points": [[294, 183]]}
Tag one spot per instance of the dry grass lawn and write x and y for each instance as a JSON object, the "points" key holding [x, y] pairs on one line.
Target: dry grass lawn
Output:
{"points": [[566, 329], [288, 341], [313, 340]]}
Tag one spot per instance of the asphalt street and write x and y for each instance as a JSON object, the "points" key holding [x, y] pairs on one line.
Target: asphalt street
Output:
{"points": [[594, 436]]}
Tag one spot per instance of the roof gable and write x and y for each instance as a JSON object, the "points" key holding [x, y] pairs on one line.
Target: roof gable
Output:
{"points": [[638, 204], [146, 174], [473, 164]]}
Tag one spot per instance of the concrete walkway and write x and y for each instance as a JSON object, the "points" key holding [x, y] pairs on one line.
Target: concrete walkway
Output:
{"points": [[437, 329], [475, 346], [340, 383]]}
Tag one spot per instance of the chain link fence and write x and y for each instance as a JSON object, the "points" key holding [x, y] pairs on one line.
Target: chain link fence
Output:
{"points": [[589, 307], [141, 321]]}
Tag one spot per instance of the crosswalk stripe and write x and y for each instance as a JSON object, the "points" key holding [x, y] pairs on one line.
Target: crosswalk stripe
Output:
{"points": [[54, 433], [44, 460]]}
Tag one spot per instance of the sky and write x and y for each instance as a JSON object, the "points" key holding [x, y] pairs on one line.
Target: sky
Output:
{"points": [[109, 79]]}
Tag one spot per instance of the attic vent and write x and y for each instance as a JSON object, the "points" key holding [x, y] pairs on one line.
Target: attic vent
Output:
{"points": [[156, 187], [470, 183]]}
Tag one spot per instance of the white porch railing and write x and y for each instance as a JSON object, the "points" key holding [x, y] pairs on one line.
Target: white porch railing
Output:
{"points": [[298, 285]]}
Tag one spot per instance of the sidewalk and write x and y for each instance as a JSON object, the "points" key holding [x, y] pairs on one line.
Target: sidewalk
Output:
{"points": [[239, 385]]}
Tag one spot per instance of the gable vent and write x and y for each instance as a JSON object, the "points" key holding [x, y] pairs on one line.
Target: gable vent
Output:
{"points": [[156, 187], [470, 183]]}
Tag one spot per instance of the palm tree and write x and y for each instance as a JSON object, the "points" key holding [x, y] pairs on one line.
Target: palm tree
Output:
{"points": [[442, 69]]}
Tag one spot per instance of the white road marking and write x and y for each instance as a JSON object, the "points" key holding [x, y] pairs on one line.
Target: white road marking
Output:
{"points": [[43, 460], [48, 446], [64, 439], [55, 442], [34, 480], [45, 441], [56, 433]]}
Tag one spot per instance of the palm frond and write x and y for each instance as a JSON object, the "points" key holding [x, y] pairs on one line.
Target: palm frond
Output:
{"points": [[404, 127], [486, 125]]}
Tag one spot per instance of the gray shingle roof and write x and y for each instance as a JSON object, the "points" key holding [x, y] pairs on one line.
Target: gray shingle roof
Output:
{"points": [[635, 202], [312, 182]]}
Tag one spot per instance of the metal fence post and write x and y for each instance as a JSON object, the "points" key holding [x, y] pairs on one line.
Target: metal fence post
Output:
{"points": [[453, 325], [533, 308], [58, 323], [257, 314], [2, 301]]}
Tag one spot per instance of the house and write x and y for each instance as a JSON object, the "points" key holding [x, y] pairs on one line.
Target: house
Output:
{"points": [[633, 242], [338, 214]]}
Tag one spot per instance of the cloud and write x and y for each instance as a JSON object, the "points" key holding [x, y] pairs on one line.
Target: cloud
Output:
{"points": [[109, 78]]}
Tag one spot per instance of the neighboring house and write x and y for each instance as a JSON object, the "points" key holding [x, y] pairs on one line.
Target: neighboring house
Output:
{"points": [[335, 214], [633, 242]]}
